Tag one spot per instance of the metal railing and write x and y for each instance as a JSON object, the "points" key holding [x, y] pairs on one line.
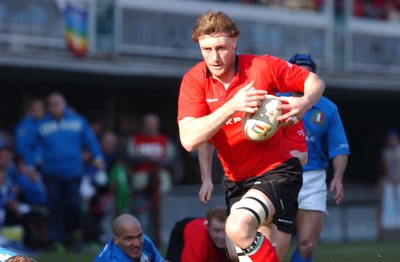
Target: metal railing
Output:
{"points": [[371, 45], [163, 29]]}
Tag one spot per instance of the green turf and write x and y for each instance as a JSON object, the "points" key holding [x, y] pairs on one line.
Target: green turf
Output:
{"points": [[348, 252], [354, 252]]}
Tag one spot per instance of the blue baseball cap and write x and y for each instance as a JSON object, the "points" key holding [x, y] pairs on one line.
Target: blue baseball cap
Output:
{"points": [[304, 60]]}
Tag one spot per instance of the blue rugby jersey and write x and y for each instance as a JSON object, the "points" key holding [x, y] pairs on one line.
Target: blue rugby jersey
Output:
{"points": [[325, 134], [112, 252]]}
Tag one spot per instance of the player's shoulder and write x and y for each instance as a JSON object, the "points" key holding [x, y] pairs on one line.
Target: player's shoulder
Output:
{"points": [[200, 67], [326, 103]]}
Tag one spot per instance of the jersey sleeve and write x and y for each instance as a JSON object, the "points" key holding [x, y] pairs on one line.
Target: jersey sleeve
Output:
{"points": [[191, 100], [288, 77], [295, 137], [150, 250]]}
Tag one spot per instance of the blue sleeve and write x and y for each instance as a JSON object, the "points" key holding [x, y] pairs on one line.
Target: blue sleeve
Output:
{"points": [[150, 249], [90, 141], [25, 139], [336, 137], [21, 138], [31, 153]]}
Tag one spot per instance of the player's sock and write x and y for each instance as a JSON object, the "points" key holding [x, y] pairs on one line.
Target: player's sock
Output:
{"points": [[297, 258], [261, 250]]}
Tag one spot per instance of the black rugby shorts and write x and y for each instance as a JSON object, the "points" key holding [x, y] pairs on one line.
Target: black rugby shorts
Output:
{"points": [[281, 185]]}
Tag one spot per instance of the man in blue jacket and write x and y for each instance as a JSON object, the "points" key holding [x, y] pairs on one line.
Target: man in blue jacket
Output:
{"points": [[62, 135], [25, 129], [128, 243]]}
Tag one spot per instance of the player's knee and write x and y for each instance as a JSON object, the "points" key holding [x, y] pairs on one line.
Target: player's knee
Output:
{"points": [[252, 206], [307, 248], [238, 226]]}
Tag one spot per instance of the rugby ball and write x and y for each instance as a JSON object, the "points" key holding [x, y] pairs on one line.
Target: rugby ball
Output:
{"points": [[262, 124]]}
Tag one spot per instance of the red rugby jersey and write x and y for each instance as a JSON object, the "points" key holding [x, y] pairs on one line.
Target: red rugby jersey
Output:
{"points": [[198, 246], [200, 95], [295, 137]]}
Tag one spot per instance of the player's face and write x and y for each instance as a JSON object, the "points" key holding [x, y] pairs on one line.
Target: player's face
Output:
{"points": [[218, 52], [216, 230], [130, 241]]}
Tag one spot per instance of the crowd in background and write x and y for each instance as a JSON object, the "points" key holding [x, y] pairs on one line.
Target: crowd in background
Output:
{"points": [[377, 9], [115, 172]]}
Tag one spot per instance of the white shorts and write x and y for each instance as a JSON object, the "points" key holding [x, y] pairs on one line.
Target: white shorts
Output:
{"points": [[313, 192]]}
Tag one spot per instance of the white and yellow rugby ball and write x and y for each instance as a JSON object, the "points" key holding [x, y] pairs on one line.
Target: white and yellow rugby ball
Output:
{"points": [[262, 124]]}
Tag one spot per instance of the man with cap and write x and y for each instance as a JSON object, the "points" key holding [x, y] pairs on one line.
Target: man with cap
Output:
{"points": [[326, 141]]}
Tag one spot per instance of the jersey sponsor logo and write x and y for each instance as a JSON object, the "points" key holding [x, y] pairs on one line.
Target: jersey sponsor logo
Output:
{"points": [[64, 125], [233, 120], [310, 137], [211, 100], [343, 146], [152, 149], [318, 118], [285, 221], [301, 133]]}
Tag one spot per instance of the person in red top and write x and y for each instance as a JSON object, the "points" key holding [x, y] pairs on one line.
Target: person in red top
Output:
{"points": [[200, 238], [151, 155], [261, 179]]}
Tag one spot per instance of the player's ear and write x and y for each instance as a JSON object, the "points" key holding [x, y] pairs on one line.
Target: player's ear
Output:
{"points": [[115, 239], [234, 43]]}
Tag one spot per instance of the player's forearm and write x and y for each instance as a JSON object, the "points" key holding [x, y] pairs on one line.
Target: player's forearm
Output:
{"points": [[314, 87], [196, 131], [339, 166], [302, 156], [205, 154]]}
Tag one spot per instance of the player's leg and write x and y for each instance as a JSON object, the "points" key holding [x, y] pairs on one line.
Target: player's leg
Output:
{"points": [[282, 244], [308, 232], [310, 217], [246, 216], [269, 231], [265, 195], [236, 254], [285, 224]]}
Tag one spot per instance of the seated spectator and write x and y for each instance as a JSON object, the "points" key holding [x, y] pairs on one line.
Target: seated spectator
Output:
{"points": [[31, 193], [7, 255], [9, 206], [200, 238], [128, 243]]}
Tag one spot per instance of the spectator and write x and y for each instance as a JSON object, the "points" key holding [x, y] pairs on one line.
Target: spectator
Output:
{"points": [[390, 157], [202, 238], [152, 156], [25, 130], [101, 203], [31, 192], [128, 243], [63, 134], [8, 201], [117, 173]]}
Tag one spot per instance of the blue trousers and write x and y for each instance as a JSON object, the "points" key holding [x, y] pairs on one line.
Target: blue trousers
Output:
{"points": [[64, 204]]}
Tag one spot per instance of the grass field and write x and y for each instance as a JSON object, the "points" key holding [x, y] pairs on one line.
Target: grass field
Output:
{"points": [[349, 252]]}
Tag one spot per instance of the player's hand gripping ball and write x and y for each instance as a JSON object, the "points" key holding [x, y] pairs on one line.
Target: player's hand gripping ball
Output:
{"points": [[262, 124]]}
